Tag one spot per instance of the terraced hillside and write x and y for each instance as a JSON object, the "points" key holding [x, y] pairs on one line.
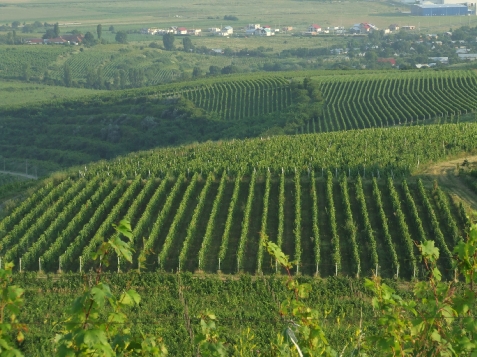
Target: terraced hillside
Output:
{"points": [[209, 207]]}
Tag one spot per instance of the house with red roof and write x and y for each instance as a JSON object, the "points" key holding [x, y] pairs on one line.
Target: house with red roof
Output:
{"points": [[387, 60], [314, 28], [34, 41], [181, 31]]}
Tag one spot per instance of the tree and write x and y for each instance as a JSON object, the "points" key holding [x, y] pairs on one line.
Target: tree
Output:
{"points": [[122, 79], [67, 75], [111, 28], [49, 34], [371, 56], [88, 39], [99, 31], [214, 70], [187, 43], [168, 41], [26, 72], [56, 29], [28, 29], [197, 72], [15, 24], [230, 69], [121, 37]]}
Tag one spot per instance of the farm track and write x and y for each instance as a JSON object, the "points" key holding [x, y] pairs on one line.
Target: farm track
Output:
{"points": [[18, 174], [444, 174]]}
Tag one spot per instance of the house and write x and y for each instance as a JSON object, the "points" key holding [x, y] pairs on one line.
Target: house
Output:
{"points": [[462, 51], [387, 60], [213, 29], [181, 31], [194, 32], [152, 31], [408, 27], [394, 27], [253, 26], [287, 28], [56, 41], [264, 31], [73, 39], [468, 56], [229, 30], [34, 41], [314, 28], [163, 32], [443, 60]]}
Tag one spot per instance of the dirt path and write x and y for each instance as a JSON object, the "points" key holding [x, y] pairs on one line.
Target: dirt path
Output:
{"points": [[445, 174], [19, 174]]}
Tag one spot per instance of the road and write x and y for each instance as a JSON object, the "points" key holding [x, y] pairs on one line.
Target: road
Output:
{"points": [[19, 174]]}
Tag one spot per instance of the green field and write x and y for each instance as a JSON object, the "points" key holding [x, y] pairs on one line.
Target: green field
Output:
{"points": [[305, 204], [284, 12]]}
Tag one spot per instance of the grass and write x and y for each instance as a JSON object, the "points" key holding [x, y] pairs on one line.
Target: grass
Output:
{"points": [[144, 13], [21, 93]]}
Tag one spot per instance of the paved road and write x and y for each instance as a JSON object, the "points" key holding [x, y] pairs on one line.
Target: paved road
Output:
{"points": [[19, 174]]}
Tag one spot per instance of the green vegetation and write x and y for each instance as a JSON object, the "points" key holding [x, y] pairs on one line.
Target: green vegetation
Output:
{"points": [[241, 106], [95, 195]]}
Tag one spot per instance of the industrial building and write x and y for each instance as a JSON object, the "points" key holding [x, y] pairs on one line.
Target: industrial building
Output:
{"points": [[440, 10]]}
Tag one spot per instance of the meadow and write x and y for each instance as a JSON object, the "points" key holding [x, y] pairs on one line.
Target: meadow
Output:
{"points": [[298, 14]]}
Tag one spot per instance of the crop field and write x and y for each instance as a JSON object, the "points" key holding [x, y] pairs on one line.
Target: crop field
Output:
{"points": [[16, 93], [397, 99], [72, 14], [39, 59], [329, 226], [205, 207], [242, 99], [351, 102]]}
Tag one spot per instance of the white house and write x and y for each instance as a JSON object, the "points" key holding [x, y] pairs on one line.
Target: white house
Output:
{"points": [[181, 31], [264, 31], [253, 26], [229, 30], [194, 32], [468, 56]]}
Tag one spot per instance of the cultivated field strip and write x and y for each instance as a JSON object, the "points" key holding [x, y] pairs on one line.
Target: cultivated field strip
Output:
{"points": [[241, 99], [388, 100], [393, 151], [335, 223]]}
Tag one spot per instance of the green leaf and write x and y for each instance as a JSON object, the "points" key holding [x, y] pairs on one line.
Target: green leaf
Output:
{"points": [[122, 249], [429, 250], [435, 336]]}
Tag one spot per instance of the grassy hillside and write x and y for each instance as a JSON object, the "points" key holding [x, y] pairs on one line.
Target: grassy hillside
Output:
{"points": [[103, 126], [194, 205]]}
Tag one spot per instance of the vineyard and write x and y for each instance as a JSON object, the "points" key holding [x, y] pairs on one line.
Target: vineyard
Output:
{"points": [[351, 102], [372, 152], [14, 59], [388, 100], [242, 99], [344, 227], [339, 203]]}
